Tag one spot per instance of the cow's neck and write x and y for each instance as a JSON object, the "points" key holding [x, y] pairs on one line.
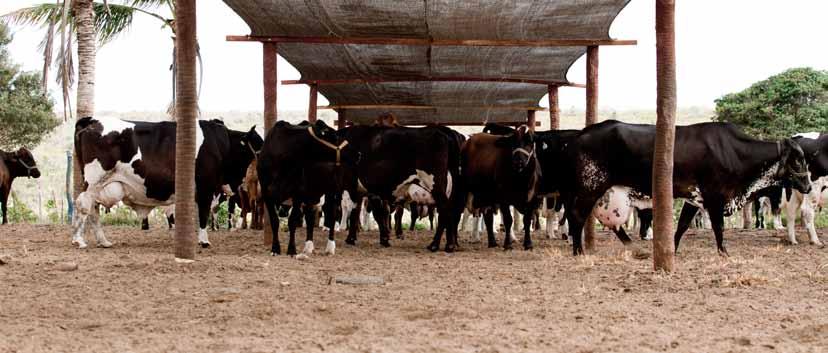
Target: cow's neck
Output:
{"points": [[760, 161]]}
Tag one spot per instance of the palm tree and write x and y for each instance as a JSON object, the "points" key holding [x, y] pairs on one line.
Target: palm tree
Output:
{"points": [[186, 106]]}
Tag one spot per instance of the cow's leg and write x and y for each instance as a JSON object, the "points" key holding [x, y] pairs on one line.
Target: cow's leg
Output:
{"points": [[415, 215], [100, 237], [717, 222], [645, 220], [758, 217], [577, 216], [4, 198], [747, 218], [398, 216], [475, 228], [488, 220], [528, 218], [231, 212], [506, 215], [145, 223], [808, 215], [438, 238], [294, 221], [621, 234], [330, 222], [383, 216], [688, 213], [517, 219], [793, 206], [84, 206], [310, 221], [353, 227], [169, 211], [204, 203]]}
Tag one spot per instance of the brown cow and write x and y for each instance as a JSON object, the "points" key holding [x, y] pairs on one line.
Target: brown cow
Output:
{"points": [[249, 194], [12, 165], [502, 171]]}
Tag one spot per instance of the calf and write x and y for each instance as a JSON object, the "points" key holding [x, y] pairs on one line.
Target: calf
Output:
{"points": [[716, 166], [134, 162], [13, 165]]}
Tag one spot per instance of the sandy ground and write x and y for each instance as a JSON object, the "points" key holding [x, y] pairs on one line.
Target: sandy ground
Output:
{"points": [[766, 297]]}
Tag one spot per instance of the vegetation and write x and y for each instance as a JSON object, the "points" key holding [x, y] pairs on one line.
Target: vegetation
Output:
{"points": [[25, 109], [19, 212], [780, 106]]}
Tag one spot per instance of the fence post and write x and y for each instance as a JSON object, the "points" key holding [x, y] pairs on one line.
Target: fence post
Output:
{"points": [[70, 209]]}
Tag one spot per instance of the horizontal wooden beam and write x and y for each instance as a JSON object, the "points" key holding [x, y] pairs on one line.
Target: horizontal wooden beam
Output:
{"points": [[435, 42], [430, 79], [456, 123], [424, 107]]}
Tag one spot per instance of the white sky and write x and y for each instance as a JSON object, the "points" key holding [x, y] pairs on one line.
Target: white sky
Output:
{"points": [[722, 46]]}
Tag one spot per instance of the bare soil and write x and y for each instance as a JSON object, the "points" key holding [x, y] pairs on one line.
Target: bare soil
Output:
{"points": [[766, 297]]}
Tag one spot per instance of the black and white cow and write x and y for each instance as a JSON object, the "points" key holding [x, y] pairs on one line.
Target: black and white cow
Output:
{"points": [[387, 173], [716, 166], [13, 165], [134, 162]]}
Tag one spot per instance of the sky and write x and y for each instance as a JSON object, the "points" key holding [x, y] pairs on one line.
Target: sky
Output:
{"points": [[721, 47]]}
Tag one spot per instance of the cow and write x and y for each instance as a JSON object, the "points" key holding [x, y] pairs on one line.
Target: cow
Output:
{"points": [[14, 165], [134, 162], [298, 165], [417, 212], [770, 197], [716, 166], [388, 175], [500, 171], [249, 199]]}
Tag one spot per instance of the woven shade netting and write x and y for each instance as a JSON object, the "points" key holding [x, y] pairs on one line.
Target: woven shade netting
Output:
{"points": [[439, 20]]}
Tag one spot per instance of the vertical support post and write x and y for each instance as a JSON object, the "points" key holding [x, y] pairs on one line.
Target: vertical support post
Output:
{"points": [[591, 118], [270, 80], [186, 113], [554, 109], [663, 238], [70, 203], [530, 119], [340, 119], [312, 103]]}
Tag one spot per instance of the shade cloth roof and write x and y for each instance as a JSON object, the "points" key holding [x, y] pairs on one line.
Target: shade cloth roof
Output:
{"points": [[466, 101]]}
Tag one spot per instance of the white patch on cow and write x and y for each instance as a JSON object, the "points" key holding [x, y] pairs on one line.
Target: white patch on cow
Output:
{"points": [[330, 249], [696, 198], [114, 125], [348, 206], [807, 204], [93, 172], [614, 207], [448, 185], [649, 235], [288, 202], [321, 201], [592, 175], [544, 146], [308, 250], [361, 188], [417, 188], [767, 178], [199, 139], [810, 135], [202, 237]]}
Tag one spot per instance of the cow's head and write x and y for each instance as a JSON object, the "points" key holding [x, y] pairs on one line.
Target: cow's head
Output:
{"points": [[254, 140], [522, 145], [793, 167], [22, 163]]}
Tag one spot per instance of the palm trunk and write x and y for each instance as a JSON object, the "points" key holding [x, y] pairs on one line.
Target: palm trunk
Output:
{"points": [[186, 107], [663, 243], [84, 16]]}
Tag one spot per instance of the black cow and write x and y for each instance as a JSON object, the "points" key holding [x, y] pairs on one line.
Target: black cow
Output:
{"points": [[13, 165], [134, 162], [715, 165], [388, 174], [298, 165]]}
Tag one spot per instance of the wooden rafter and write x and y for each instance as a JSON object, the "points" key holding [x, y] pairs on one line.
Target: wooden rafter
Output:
{"points": [[425, 107], [455, 123], [431, 79], [433, 42]]}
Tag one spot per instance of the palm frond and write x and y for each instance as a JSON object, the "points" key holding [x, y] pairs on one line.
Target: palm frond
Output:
{"points": [[149, 4], [110, 24], [38, 15]]}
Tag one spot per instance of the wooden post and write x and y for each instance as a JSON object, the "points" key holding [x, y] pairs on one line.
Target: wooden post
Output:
{"points": [[663, 240], [554, 109], [591, 118], [340, 119], [530, 119], [312, 103], [186, 113], [270, 80]]}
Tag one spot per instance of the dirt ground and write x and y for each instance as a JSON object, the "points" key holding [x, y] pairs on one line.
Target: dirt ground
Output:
{"points": [[133, 297]]}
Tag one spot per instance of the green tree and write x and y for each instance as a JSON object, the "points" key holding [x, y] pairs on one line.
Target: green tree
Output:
{"points": [[780, 106], [25, 110]]}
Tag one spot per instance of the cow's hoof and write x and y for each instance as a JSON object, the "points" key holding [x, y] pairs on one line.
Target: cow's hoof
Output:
{"points": [[274, 253], [433, 247], [385, 243], [528, 247], [105, 245], [492, 244], [204, 245], [350, 241], [451, 248], [80, 245], [507, 247], [723, 253], [330, 249], [291, 252], [818, 243]]}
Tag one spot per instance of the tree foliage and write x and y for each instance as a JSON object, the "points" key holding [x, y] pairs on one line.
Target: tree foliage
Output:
{"points": [[780, 106], [26, 114]]}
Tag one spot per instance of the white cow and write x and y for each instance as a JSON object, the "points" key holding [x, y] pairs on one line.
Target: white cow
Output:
{"points": [[808, 204]]}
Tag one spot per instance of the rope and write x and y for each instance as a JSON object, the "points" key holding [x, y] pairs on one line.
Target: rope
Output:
{"points": [[336, 148]]}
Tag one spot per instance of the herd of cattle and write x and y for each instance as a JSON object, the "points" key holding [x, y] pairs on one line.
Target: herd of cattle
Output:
{"points": [[603, 171]]}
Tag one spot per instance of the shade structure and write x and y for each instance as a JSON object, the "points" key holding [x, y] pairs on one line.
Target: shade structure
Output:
{"points": [[434, 25]]}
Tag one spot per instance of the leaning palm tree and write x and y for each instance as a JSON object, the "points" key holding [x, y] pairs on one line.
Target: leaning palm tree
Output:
{"points": [[87, 20]]}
